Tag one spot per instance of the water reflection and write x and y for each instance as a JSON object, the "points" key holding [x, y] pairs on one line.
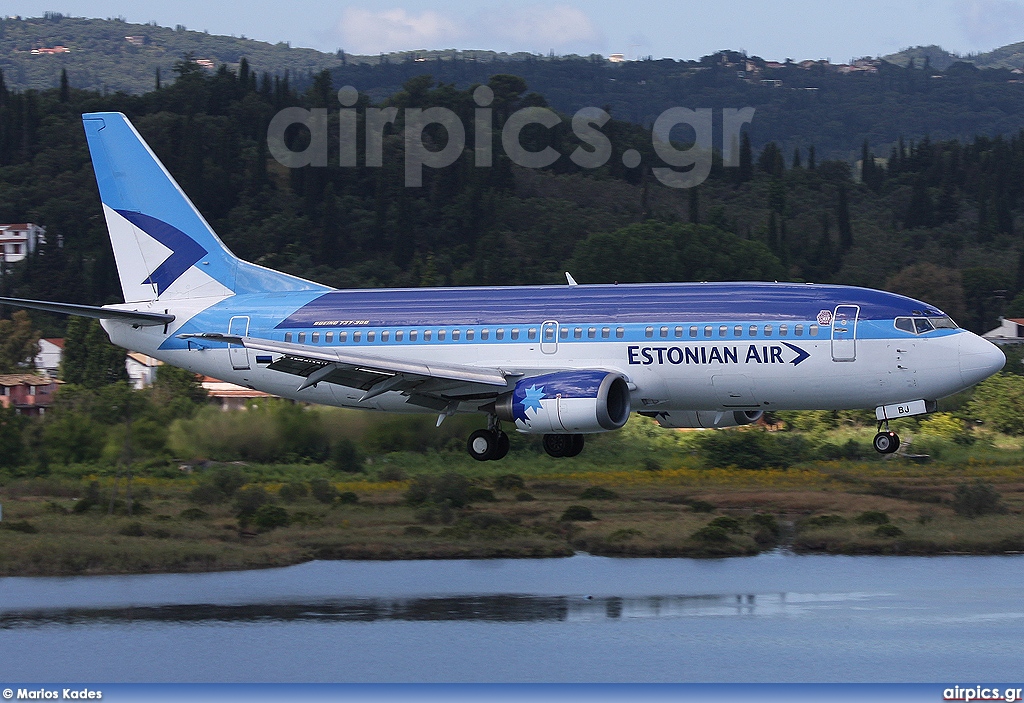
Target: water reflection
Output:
{"points": [[510, 608]]}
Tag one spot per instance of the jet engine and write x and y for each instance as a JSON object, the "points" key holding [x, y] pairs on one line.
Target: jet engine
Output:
{"points": [[575, 402], [706, 418]]}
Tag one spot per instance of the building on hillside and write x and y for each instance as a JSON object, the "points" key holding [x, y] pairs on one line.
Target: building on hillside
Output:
{"points": [[19, 240], [28, 393], [1009, 331], [51, 351], [230, 396], [141, 369]]}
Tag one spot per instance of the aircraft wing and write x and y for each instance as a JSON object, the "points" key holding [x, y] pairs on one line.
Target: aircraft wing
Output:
{"points": [[137, 318], [432, 385]]}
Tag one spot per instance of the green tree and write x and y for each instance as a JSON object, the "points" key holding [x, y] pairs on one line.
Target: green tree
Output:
{"points": [[90, 359], [999, 402], [11, 437], [935, 285], [19, 343]]}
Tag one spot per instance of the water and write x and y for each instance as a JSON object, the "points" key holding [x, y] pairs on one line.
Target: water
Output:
{"points": [[775, 617]]}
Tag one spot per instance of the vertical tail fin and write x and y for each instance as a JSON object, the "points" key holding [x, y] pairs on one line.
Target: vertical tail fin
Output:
{"points": [[163, 247]]}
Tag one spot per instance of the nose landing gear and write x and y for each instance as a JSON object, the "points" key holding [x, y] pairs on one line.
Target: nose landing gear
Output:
{"points": [[886, 441]]}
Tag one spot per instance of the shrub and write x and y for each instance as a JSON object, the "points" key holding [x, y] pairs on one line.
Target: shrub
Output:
{"points": [[626, 533], [450, 488], [523, 496], [577, 513], [825, 521], [711, 533], [20, 526], [91, 498], [888, 530], [228, 479], [767, 522], [477, 494], [132, 529], [416, 531], [702, 506], [872, 517], [650, 464], [206, 494], [267, 517], [727, 523], [974, 499], [598, 493], [509, 482], [346, 457], [751, 449], [323, 490], [998, 401], [348, 498], [435, 514], [193, 514], [291, 492], [250, 499]]}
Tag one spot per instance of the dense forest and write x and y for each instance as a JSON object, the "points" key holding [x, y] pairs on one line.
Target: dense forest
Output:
{"points": [[936, 219]]}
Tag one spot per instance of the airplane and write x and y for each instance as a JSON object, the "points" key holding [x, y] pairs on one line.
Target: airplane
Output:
{"points": [[560, 361]]}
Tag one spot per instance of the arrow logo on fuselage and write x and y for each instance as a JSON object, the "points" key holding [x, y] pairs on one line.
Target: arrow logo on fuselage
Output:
{"points": [[801, 355], [185, 251]]}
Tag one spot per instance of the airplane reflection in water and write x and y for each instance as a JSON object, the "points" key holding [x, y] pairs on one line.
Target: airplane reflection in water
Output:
{"points": [[481, 608]]}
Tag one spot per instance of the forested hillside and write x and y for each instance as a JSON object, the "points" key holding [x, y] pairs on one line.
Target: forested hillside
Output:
{"points": [[941, 221]]}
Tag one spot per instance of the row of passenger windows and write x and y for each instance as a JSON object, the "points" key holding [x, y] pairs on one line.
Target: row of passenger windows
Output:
{"points": [[548, 333], [737, 331]]}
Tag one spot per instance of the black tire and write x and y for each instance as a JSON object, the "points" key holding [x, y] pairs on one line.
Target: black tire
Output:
{"points": [[557, 445], [886, 442], [500, 446], [576, 447], [481, 445]]}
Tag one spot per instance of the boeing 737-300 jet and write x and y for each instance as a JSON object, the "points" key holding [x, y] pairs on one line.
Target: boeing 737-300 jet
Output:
{"points": [[561, 361]]}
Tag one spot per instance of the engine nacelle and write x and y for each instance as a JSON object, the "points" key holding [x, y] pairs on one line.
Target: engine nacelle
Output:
{"points": [[575, 402], [706, 418]]}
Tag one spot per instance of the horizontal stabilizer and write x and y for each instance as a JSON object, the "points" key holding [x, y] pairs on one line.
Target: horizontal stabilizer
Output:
{"points": [[141, 319]]}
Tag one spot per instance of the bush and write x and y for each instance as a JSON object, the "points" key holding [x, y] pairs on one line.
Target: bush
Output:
{"points": [[751, 449], [132, 529], [21, 526], [825, 521], [702, 506], [90, 499], [206, 494], [888, 530], [598, 493], [250, 499], [711, 533], [871, 517], [346, 457], [193, 514], [323, 490], [523, 496], [577, 513], [650, 464], [228, 479], [975, 499], [434, 514], [766, 522], [727, 523], [509, 482], [348, 498], [267, 517], [291, 492], [416, 531], [476, 494], [998, 401], [450, 488]]}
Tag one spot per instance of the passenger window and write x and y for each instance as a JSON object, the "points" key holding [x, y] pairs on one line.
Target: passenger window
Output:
{"points": [[767, 330], [620, 332], [329, 337], [737, 331], [398, 335], [752, 331], [708, 331], [591, 332], [412, 335], [455, 335], [356, 336], [693, 331], [531, 333], [923, 325], [485, 334], [722, 331], [384, 336], [440, 335], [426, 335], [469, 335], [577, 333], [515, 333], [499, 333], [302, 337], [342, 336], [783, 330], [287, 336], [679, 331], [664, 331], [605, 332], [563, 333], [316, 338], [813, 331], [649, 332], [371, 336], [798, 330]]}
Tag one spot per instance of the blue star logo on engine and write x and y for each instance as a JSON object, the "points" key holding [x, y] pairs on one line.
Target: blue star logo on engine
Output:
{"points": [[533, 397], [185, 251]]}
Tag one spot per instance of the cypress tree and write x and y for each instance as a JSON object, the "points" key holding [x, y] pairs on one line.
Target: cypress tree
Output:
{"points": [[796, 158], [694, 206], [746, 169], [843, 218], [158, 78], [65, 88], [811, 164]]}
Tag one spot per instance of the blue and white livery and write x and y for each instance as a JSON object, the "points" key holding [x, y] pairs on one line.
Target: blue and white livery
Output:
{"points": [[561, 361]]}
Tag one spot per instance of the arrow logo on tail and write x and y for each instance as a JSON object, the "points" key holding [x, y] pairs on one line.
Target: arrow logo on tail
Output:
{"points": [[185, 251], [801, 355]]}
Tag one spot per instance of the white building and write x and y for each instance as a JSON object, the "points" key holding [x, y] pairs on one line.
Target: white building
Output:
{"points": [[141, 369], [1009, 331], [50, 353], [19, 240]]}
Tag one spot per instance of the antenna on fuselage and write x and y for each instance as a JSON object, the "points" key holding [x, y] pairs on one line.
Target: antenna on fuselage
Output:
{"points": [[570, 279]]}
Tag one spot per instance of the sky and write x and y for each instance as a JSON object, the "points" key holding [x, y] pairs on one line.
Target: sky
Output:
{"points": [[682, 29]]}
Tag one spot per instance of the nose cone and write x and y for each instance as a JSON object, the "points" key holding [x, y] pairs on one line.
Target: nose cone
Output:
{"points": [[979, 358]]}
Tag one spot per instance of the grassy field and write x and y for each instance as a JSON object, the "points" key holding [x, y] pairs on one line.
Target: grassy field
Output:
{"points": [[529, 507]]}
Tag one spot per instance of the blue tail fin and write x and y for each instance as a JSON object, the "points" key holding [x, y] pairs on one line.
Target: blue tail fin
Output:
{"points": [[163, 247]]}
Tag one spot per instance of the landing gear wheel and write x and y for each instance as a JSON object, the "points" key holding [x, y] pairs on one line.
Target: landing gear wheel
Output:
{"points": [[500, 446], [558, 445], [886, 442], [481, 444], [576, 447]]}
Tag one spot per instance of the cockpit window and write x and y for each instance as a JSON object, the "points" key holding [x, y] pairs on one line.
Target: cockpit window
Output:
{"points": [[921, 325]]}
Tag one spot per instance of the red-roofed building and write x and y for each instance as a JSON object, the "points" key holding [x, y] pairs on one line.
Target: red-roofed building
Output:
{"points": [[1009, 331], [48, 359], [19, 240], [28, 393]]}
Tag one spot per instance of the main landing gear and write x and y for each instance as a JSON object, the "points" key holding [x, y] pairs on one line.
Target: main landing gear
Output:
{"points": [[490, 444], [563, 445], [886, 441]]}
